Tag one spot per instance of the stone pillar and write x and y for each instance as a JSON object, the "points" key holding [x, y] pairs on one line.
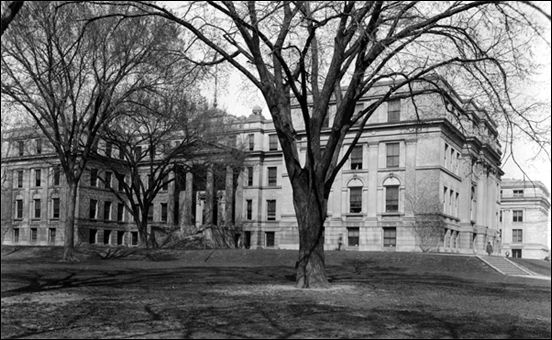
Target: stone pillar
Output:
{"points": [[186, 198], [229, 196], [171, 200], [209, 202], [238, 203]]}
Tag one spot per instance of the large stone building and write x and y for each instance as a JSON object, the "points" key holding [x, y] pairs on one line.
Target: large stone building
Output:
{"points": [[401, 168], [524, 219]]}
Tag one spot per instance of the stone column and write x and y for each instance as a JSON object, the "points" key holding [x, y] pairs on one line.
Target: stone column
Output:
{"points": [[209, 202], [238, 204], [185, 198], [171, 200], [229, 196]]}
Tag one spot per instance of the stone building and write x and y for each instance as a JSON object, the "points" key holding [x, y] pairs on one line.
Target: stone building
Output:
{"points": [[524, 219]]}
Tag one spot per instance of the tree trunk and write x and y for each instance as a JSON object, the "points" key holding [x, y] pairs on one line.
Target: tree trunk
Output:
{"points": [[311, 212], [68, 246]]}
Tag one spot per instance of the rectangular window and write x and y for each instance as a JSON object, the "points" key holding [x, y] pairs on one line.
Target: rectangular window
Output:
{"points": [[51, 235], [20, 148], [269, 237], [93, 209], [500, 216], [394, 110], [249, 210], [250, 176], [517, 235], [19, 209], [107, 181], [15, 235], [392, 155], [55, 208], [121, 180], [392, 198], [107, 237], [107, 211], [251, 141], [355, 200], [353, 234], [37, 177], [39, 146], [92, 233], [36, 208], [134, 238], [164, 212], [446, 155], [34, 234], [165, 185], [93, 177], [271, 210], [272, 176], [518, 193], [56, 175], [518, 215], [20, 178], [273, 142], [356, 157], [108, 148], [390, 237], [121, 153], [150, 213], [120, 211], [120, 237]]}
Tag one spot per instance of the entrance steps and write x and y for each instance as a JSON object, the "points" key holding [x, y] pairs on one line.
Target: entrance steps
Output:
{"points": [[505, 266]]}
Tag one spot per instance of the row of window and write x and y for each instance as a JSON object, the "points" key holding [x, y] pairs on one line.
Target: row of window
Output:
{"points": [[107, 214], [391, 199], [391, 158], [272, 142], [389, 236], [36, 212], [37, 147], [516, 193], [270, 210], [272, 176], [109, 235], [33, 235], [451, 158], [37, 176], [451, 201], [517, 216], [108, 179]]}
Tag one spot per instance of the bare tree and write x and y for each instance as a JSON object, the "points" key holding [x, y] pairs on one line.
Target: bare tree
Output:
{"points": [[429, 225], [73, 77], [9, 11]]}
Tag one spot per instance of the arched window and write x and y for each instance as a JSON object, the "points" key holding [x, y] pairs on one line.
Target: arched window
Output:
{"points": [[391, 186], [355, 196]]}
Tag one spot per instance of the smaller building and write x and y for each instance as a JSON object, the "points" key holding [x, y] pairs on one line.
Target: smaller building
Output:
{"points": [[524, 219]]}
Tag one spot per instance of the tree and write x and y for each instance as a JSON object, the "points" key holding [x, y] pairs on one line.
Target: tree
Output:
{"points": [[320, 52], [73, 77], [9, 9], [428, 225]]}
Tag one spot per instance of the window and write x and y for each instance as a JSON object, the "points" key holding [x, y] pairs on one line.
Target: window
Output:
{"points": [[356, 158], [15, 235], [269, 237], [121, 180], [518, 215], [19, 209], [392, 155], [107, 211], [446, 154], [107, 179], [272, 176], [20, 178], [37, 177], [164, 212], [518, 193], [108, 148], [36, 208], [250, 176], [20, 148], [355, 200], [92, 236], [56, 175], [120, 211], [137, 152], [51, 235], [392, 198], [134, 238], [121, 153], [93, 177], [394, 110], [39, 146], [55, 208], [272, 142], [517, 235], [150, 213], [251, 141], [249, 210], [500, 216], [390, 237], [120, 237], [165, 185], [150, 181], [271, 210], [34, 234], [353, 236], [93, 209], [107, 237]]}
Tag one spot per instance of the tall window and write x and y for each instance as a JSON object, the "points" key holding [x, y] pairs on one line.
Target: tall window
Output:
{"points": [[269, 237], [15, 235], [249, 176], [249, 210], [20, 178], [56, 175], [120, 211], [108, 148], [392, 198], [356, 157], [273, 142], [390, 237], [134, 238], [165, 185], [353, 234], [20, 148], [272, 182], [394, 110], [34, 234], [500, 216], [36, 208], [121, 181], [51, 235], [137, 152], [150, 213], [392, 155], [107, 211], [271, 210], [517, 235], [107, 236], [39, 146], [93, 209], [518, 193], [164, 212], [121, 153], [107, 179], [55, 208], [355, 199], [518, 215], [93, 177], [37, 177], [251, 141], [18, 209]]}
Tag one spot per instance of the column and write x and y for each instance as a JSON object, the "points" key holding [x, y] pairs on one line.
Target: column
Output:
{"points": [[185, 198], [229, 196], [238, 203], [209, 203]]}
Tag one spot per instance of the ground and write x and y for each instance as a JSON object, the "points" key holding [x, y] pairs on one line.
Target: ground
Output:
{"points": [[251, 294]]}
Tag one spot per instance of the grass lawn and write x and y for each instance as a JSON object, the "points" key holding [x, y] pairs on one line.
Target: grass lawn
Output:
{"points": [[537, 266], [251, 294]]}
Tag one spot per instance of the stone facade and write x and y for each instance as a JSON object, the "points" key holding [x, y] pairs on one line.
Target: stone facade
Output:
{"points": [[523, 218]]}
